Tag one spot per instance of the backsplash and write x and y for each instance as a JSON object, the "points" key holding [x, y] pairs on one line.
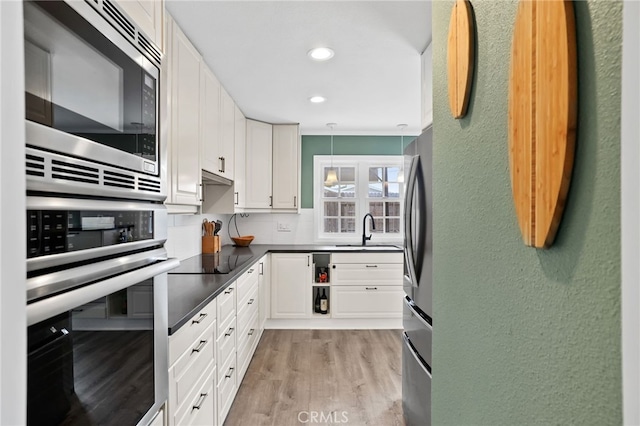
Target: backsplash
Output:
{"points": [[185, 230]]}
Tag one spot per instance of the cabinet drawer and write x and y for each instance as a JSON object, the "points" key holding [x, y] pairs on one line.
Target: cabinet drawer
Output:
{"points": [[226, 345], [191, 366], [367, 273], [366, 301], [226, 302], [396, 257], [246, 311], [247, 341], [247, 282], [182, 339], [226, 393], [200, 409]]}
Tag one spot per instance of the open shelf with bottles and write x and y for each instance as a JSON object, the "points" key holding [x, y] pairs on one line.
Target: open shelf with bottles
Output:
{"points": [[321, 268], [320, 300]]}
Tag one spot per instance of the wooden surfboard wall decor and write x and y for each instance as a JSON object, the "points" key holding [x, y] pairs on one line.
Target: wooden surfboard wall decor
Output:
{"points": [[543, 92], [460, 57]]}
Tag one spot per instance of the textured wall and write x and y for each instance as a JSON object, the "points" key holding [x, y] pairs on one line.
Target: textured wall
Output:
{"points": [[526, 336]]}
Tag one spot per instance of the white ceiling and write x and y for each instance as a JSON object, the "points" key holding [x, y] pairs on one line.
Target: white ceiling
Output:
{"points": [[258, 51]]}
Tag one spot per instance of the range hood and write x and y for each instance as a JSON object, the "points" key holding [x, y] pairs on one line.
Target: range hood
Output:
{"points": [[209, 178]]}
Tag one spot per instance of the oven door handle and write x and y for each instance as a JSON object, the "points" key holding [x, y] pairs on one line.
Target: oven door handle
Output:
{"points": [[54, 305], [49, 284]]}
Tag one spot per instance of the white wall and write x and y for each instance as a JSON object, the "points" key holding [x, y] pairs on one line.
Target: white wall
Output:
{"points": [[630, 220], [13, 321]]}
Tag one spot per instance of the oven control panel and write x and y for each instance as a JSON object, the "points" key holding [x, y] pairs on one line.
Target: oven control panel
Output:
{"points": [[60, 231]]}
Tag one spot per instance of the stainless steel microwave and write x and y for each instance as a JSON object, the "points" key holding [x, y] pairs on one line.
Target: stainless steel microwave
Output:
{"points": [[91, 92]]}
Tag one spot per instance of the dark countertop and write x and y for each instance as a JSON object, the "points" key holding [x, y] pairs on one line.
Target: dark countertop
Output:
{"points": [[195, 283]]}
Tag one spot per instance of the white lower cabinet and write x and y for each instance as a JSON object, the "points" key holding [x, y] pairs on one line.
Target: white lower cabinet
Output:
{"points": [[191, 362], [226, 343], [200, 408], [264, 283], [366, 301], [211, 353], [290, 278], [358, 285]]}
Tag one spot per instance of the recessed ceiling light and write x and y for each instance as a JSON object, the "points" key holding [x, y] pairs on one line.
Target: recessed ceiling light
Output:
{"points": [[317, 99], [320, 54]]}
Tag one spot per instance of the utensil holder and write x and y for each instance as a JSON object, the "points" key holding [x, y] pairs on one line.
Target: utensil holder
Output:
{"points": [[211, 244]]}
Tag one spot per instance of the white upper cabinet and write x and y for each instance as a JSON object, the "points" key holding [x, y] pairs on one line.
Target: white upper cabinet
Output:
{"points": [[239, 159], [427, 87], [286, 141], [182, 81], [258, 165], [227, 132], [149, 15], [210, 151]]}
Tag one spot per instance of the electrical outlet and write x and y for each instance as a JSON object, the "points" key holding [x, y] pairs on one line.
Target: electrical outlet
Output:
{"points": [[284, 227]]}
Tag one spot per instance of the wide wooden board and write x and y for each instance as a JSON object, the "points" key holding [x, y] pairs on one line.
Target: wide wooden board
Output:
{"points": [[460, 57], [542, 115]]}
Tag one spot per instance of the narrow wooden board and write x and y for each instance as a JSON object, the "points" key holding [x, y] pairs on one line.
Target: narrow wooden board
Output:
{"points": [[542, 115], [460, 57]]}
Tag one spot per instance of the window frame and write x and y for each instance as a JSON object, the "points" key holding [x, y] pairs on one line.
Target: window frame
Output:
{"points": [[362, 163]]}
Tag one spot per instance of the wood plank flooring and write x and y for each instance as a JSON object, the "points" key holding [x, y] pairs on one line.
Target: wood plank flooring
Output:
{"points": [[321, 377]]}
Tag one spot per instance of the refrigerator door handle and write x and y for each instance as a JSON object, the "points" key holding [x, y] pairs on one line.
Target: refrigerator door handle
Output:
{"points": [[415, 354], [417, 314], [408, 231]]}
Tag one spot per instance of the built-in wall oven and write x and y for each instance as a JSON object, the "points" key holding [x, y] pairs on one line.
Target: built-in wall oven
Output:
{"points": [[91, 91], [97, 311]]}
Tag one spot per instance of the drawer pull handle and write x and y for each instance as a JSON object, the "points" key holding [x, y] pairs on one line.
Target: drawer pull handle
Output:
{"points": [[251, 332], [199, 320], [228, 291], [371, 288], [371, 266], [203, 396], [250, 302], [261, 268], [228, 376], [199, 347], [229, 333], [250, 271]]}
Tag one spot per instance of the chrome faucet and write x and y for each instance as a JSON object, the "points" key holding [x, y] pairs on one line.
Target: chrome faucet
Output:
{"points": [[364, 224]]}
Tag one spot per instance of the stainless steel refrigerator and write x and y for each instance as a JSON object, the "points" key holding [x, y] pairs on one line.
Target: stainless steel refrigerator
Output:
{"points": [[418, 254]]}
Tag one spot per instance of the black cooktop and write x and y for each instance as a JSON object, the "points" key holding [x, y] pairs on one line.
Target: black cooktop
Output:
{"points": [[211, 264]]}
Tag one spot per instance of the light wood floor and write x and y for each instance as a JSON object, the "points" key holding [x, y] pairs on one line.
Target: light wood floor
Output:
{"points": [[350, 377]]}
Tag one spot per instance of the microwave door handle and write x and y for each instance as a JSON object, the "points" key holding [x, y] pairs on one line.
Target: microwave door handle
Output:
{"points": [[408, 229], [54, 305]]}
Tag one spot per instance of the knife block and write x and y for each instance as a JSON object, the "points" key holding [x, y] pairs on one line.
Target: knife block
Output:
{"points": [[211, 244]]}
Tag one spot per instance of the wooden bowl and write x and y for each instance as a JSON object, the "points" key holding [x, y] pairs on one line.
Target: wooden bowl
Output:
{"points": [[243, 241]]}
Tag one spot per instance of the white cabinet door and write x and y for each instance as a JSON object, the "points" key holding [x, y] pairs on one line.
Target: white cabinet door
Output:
{"points": [[285, 166], [290, 285], [184, 111], [264, 283], [366, 301], [210, 151], [239, 159], [427, 87], [227, 132], [148, 15], [259, 161]]}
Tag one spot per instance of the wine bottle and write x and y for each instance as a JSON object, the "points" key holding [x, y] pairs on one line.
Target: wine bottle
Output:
{"points": [[324, 302], [316, 304]]}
